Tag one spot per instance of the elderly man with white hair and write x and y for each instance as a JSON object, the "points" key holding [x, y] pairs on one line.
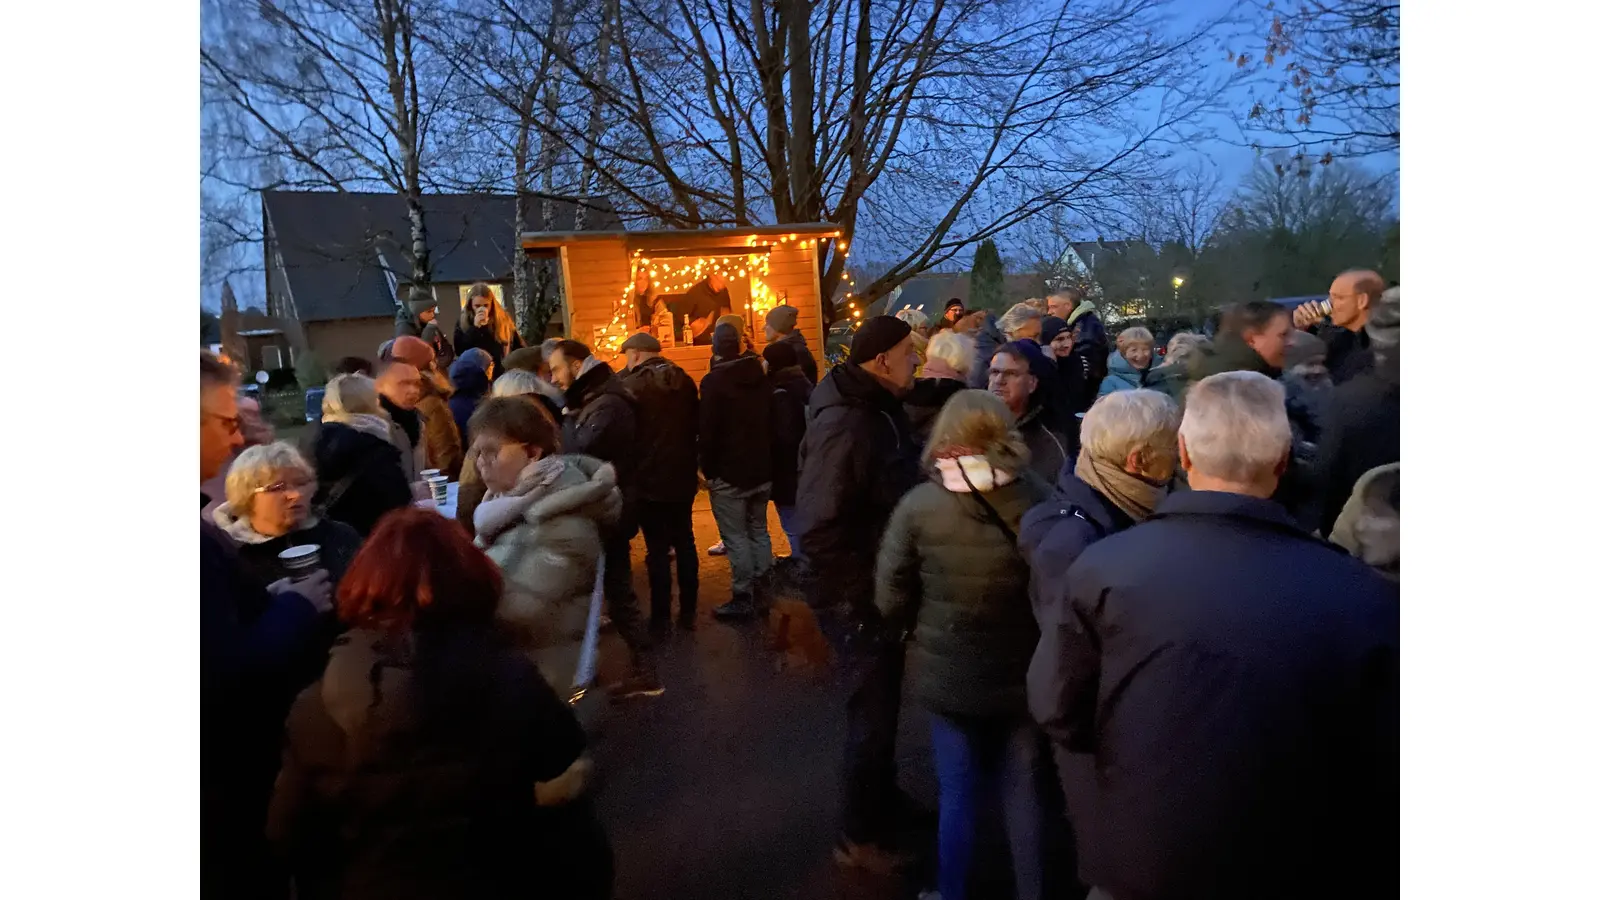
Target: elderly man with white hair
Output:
{"points": [[1218, 654], [1020, 322]]}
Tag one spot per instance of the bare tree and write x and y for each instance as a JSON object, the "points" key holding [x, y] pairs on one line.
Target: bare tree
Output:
{"points": [[336, 94], [1339, 92]]}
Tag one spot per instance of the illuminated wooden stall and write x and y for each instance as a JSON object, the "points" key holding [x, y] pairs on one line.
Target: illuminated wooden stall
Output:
{"points": [[765, 266]]}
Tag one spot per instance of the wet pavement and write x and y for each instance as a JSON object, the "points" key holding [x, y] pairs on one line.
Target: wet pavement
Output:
{"points": [[726, 786]]}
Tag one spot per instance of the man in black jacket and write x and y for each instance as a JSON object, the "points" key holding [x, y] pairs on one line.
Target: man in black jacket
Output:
{"points": [[702, 305], [1353, 296], [736, 457], [781, 329], [601, 420], [1236, 682], [857, 460], [668, 424], [254, 647]]}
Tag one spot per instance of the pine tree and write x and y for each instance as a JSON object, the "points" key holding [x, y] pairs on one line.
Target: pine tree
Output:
{"points": [[988, 279]]}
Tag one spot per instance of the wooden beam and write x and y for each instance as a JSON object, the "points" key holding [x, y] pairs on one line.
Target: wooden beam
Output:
{"points": [[809, 230]]}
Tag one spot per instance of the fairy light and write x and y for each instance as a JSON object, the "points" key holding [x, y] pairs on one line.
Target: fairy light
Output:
{"points": [[675, 277]]}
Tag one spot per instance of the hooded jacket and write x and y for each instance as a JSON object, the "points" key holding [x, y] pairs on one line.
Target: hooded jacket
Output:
{"points": [[471, 386], [410, 770], [791, 394], [602, 420], [1089, 342], [950, 575], [668, 411], [364, 469], [337, 541], [545, 536], [736, 423], [1122, 376], [441, 440], [808, 363], [857, 460]]}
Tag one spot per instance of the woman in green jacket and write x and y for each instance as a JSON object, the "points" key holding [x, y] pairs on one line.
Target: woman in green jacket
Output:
{"points": [[950, 574]]}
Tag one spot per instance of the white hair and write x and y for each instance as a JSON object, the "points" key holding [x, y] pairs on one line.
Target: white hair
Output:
{"points": [[1124, 422], [916, 318], [519, 383], [350, 395], [1016, 317], [258, 467], [954, 349], [1235, 426]]}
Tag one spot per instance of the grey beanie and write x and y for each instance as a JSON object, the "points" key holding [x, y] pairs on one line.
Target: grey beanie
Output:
{"points": [[782, 319]]}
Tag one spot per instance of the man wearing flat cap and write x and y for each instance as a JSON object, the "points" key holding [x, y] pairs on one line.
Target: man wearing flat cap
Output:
{"points": [[858, 458]]}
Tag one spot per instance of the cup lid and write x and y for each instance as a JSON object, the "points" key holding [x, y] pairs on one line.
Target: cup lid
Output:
{"points": [[300, 552]]}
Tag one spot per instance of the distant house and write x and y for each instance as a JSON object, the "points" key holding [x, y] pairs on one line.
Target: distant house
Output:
{"points": [[336, 273], [930, 291]]}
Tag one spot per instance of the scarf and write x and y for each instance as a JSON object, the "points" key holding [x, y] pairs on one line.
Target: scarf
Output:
{"points": [[238, 527], [500, 511], [955, 461], [1133, 495], [377, 426]]}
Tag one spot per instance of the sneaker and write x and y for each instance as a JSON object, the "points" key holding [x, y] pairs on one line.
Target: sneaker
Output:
{"points": [[740, 607], [717, 549], [637, 684], [872, 858]]}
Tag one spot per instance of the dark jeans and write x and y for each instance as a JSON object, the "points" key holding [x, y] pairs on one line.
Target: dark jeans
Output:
{"points": [[668, 528], [621, 603], [875, 666], [974, 759]]}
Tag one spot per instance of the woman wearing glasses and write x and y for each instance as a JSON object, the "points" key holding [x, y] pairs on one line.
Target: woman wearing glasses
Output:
{"points": [[269, 492]]}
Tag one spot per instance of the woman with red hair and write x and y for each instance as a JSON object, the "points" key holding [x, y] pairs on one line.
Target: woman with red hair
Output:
{"points": [[431, 759]]}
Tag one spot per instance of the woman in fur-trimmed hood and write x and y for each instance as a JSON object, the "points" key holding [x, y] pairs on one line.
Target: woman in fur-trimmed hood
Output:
{"points": [[541, 522]]}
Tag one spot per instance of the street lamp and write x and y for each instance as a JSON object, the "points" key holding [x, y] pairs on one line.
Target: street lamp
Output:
{"points": [[1177, 282]]}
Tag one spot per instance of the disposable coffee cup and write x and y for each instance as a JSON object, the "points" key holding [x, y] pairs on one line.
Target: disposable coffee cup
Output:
{"points": [[428, 474], [1325, 307], [302, 560], [440, 486]]}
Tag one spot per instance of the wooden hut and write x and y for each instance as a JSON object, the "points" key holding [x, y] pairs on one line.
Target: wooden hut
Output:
{"points": [[765, 266]]}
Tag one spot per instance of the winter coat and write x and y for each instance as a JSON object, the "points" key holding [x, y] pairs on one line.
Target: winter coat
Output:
{"points": [[441, 440], [669, 412], [545, 536], [791, 393], [469, 336], [366, 470], [1219, 654], [736, 423], [988, 340], [1349, 352], [1170, 379], [1049, 446], [337, 541], [951, 576], [926, 400], [602, 420], [405, 433], [471, 386], [1369, 525], [411, 770], [1122, 376], [1089, 342], [1361, 431], [254, 647], [857, 460], [1074, 387], [808, 363]]}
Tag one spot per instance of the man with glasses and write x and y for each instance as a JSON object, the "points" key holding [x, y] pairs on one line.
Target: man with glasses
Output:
{"points": [[1352, 297], [253, 644]]}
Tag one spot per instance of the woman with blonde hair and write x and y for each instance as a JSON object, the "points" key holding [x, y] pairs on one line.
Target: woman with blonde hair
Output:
{"points": [[1128, 366], [485, 324], [269, 490], [950, 576], [949, 360], [361, 472]]}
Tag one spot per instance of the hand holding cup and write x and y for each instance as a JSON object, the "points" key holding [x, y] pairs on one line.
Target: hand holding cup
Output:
{"points": [[1309, 313], [316, 587]]}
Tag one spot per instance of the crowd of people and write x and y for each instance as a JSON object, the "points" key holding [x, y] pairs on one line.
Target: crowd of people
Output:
{"points": [[1149, 600]]}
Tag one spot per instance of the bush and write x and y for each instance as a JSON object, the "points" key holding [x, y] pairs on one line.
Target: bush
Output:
{"points": [[309, 371]]}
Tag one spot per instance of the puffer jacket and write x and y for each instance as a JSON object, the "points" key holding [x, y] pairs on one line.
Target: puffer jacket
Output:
{"points": [[668, 421], [1122, 376], [413, 769], [471, 386], [545, 536], [949, 574]]}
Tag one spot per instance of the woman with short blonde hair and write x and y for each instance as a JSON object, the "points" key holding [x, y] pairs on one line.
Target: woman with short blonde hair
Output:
{"points": [[949, 360], [269, 490], [950, 575], [1128, 367]]}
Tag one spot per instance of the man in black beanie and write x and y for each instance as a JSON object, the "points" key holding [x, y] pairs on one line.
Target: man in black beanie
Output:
{"points": [[858, 458]]}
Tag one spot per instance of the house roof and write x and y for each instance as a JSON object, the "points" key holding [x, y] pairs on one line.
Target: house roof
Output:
{"points": [[337, 246], [930, 291], [1093, 253]]}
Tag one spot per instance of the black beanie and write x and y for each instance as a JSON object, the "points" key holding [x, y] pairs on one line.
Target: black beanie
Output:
{"points": [[876, 335], [780, 355], [1049, 328], [725, 341]]}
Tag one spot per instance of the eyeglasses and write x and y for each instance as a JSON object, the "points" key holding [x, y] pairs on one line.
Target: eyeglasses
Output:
{"points": [[231, 422], [282, 487]]}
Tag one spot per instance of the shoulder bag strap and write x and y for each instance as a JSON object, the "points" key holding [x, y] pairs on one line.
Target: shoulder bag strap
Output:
{"points": [[988, 509]]}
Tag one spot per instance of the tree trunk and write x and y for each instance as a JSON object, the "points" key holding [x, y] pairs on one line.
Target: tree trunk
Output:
{"points": [[399, 64]]}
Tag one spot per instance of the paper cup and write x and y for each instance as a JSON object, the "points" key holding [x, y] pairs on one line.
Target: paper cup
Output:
{"points": [[428, 474], [301, 560], [440, 486]]}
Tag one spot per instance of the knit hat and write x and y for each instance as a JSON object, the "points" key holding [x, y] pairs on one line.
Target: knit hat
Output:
{"points": [[782, 319], [954, 301], [879, 334], [780, 355], [642, 341], [1049, 327], [734, 319], [413, 351], [526, 359], [476, 356], [420, 301], [725, 341]]}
